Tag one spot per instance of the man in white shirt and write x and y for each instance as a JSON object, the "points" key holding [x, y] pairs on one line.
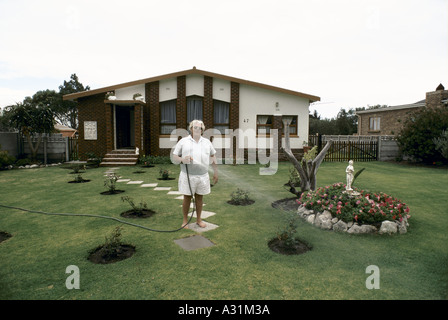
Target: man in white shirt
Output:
{"points": [[197, 152]]}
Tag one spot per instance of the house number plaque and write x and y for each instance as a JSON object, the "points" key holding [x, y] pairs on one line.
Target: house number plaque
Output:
{"points": [[90, 130]]}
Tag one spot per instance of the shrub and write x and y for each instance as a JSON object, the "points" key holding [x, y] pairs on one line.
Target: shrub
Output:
{"points": [[416, 139], [6, 159], [367, 207]]}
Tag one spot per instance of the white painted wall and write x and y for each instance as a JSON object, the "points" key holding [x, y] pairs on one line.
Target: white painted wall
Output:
{"points": [[258, 101], [221, 90], [195, 85], [168, 89], [128, 92]]}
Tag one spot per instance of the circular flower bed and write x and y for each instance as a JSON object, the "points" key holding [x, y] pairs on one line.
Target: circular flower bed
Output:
{"points": [[360, 208]]}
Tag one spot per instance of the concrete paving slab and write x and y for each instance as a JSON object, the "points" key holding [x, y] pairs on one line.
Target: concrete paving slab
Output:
{"points": [[208, 226], [149, 185], [135, 182], [204, 214], [180, 197], [123, 180], [192, 206], [162, 188], [174, 192], [194, 242]]}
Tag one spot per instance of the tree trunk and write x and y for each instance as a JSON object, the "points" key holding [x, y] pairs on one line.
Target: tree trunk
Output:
{"points": [[307, 169], [33, 148]]}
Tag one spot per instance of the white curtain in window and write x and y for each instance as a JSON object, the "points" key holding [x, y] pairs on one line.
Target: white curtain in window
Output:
{"points": [[168, 112], [194, 109], [262, 119], [221, 112]]}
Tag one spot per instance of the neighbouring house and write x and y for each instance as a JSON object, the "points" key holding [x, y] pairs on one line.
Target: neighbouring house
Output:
{"points": [[123, 121], [390, 120], [65, 131]]}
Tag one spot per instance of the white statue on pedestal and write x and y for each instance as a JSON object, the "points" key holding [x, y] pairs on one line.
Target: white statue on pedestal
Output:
{"points": [[349, 171]]}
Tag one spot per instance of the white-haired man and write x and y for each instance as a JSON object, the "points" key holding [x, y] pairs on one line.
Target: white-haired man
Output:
{"points": [[197, 152]]}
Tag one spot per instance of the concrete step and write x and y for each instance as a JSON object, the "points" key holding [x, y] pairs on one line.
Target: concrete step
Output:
{"points": [[119, 158]]}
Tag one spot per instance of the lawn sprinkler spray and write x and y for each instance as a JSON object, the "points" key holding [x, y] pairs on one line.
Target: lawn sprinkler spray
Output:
{"points": [[111, 218]]}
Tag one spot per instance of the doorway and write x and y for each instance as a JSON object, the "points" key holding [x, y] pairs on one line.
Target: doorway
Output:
{"points": [[124, 127]]}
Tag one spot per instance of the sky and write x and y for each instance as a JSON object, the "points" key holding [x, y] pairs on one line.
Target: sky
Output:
{"points": [[349, 53]]}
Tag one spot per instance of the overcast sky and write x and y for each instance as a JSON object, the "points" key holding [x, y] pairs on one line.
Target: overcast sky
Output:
{"points": [[349, 53]]}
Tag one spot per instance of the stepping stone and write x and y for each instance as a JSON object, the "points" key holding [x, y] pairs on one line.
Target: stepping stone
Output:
{"points": [[162, 188], [123, 180], [149, 185], [180, 197], [208, 226], [204, 214], [174, 192], [135, 182], [194, 242]]}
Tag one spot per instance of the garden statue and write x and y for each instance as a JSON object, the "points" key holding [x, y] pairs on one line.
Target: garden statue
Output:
{"points": [[349, 171]]}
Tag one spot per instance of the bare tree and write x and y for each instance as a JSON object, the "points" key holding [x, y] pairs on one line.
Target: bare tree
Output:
{"points": [[307, 169]]}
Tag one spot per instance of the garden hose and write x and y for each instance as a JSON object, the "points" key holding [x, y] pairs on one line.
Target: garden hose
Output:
{"points": [[111, 218]]}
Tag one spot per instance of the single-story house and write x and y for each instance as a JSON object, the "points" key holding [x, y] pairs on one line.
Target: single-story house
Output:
{"points": [[390, 120], [123, 121]]}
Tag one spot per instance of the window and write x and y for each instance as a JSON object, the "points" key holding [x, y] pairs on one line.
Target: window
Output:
{"points": [[374, 124], [264, 124], [194, 109], [221, 115], [167, 116], [292, 121]]}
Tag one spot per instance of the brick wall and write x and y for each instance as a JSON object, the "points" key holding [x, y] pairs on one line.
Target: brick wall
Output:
{"points": [[434, 99], [208, 102], [93, 108], [152, 122], [391, 121]]}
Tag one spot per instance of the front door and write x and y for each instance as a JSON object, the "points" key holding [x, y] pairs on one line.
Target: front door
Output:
{"points": [[124, 128]]}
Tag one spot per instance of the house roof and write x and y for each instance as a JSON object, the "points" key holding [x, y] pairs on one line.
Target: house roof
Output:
{"points": [[399, 107], [74, 96]]}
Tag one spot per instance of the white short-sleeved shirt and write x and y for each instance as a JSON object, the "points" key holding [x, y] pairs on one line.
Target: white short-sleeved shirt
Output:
{"points": [[200, 151]]}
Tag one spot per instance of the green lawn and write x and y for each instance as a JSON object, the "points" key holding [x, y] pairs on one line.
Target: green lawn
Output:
{"points": [[240, 265]]}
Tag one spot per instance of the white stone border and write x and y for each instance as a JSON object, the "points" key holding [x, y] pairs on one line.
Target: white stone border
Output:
{"points": [[324, 220]]}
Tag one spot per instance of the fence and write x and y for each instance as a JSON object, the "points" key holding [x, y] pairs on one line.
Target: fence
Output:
{"points": [[52, 148], [357, 148]]}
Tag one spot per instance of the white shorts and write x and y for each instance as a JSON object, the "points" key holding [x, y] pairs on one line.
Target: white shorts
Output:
{"points": [[200, 184]]}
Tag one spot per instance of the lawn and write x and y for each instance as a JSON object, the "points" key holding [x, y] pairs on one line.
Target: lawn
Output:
{"points": [[240, 265]]}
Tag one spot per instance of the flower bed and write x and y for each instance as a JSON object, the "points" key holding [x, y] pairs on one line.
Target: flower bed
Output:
{"points": [[361, 208]]}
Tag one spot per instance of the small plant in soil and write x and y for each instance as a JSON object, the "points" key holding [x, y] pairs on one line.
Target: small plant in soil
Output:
{"points": [[79, 179], [240, 197], [164, 174], [286, 241], [137, 211], [112, 250], [110, 183]]}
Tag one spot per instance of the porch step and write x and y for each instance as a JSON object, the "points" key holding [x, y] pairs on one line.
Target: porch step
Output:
{"points": [[119, 158]]}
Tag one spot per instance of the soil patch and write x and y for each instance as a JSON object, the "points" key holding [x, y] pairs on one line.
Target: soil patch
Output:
{"points": [[241, 203], [279, 246], [79, 181], [145, 213], [166, 178], [288, 204], [4, 236], [139, 171], [112, 192], [147, 166], [101, 255]]}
